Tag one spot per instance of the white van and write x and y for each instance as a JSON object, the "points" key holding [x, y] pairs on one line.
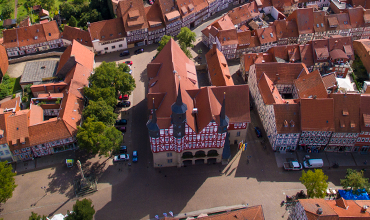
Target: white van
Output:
{"points": [[313, 163]]}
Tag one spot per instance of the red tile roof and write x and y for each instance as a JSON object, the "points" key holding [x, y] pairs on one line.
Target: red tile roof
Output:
{"points": [[351, 212], [312, 205], [286, 29], [132, 14], [289, 53], [310, 86], [266, 35], [218, 68], [304, 19], [153, 15], [227, 37], [12, 103], [317, 114], [289, 113], [47, 131], [320, 23], [4, 64], [36, 115], [244, 12], [17, 127], [356, 16], [25, 22], [330, 80], [73, 33], [306, 54], [224, 23], [252, 58], [168, 6], [37, 33], [103, 31], [280, 73], [81, 54], [269, 92]]}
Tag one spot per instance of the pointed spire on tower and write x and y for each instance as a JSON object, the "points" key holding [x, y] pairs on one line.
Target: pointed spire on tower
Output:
{"points": [[223, 112], [179, 98], [179, 107], [154, 117], [152, 124]]}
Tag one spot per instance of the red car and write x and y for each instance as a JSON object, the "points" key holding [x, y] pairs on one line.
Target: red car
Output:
{"points": [[129, 63], [123, 97]]}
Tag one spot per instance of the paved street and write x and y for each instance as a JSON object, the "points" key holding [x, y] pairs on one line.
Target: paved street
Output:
{"points": [[253, 177]]}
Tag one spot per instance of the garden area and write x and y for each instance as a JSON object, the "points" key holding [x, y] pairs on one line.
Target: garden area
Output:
{"points": [[9, 86], [359, 73]]}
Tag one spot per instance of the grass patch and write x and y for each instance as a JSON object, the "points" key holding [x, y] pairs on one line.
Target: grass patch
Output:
{"points": [[9, 86], [3, 3]]}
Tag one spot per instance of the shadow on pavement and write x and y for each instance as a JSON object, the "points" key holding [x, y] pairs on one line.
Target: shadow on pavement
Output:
{"points": [[62, 180]]}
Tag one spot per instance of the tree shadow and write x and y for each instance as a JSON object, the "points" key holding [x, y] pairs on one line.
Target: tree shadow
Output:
{"points": [[62, 180]]}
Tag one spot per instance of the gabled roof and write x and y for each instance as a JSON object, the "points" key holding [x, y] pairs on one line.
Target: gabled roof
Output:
{"points": [[227, 37], [356, 16], [343, 20], [288, 53], [310, 86], [252, 58], [175, 68], [104, 31], [4, 63], [12, 103], [218, 68], [286, 29], [346, 112], [287, 118], [269, 92], [169, 11], [306, 54], [17, 127], [280, 73], [37, 33], [153, 15], [352, 210], [81, 55], [200, 4], [47, 131], [320, 23], [304, 19], [329, 80], [312, 205], [317, 114], [132, 14], [224, 23], [244, 12], [266, 35], [73, 33]]}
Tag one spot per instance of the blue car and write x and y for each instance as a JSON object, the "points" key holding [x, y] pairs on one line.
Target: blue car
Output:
{"points": [[258, 131], [134, 156]]}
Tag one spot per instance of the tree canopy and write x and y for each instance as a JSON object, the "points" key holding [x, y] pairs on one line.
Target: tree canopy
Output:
{"points": [[164, 40], [96, 137], [82, 210], [47, 4], [315, 183], [93, 93], [100, 111], [186, 37], [7, 182], [355, 180], [72, 21], [7, 11], [29, 4], [35, 216], [109, 75]]}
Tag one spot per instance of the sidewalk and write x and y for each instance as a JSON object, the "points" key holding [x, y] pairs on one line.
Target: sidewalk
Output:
{"points": [[43, 162], [344, 159]]}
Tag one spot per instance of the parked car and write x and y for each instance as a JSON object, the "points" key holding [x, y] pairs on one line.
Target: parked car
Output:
{"points": [[134, 156], [123, 149], [125, 97], [258, 131], [129, 63], [151, 2], [140, 50], [122, 128], [124, 104], [293, 165], [118, 158], [121, 122], [124, 53], [127, 156]]}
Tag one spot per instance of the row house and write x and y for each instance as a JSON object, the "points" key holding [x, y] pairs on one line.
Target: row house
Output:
{"points": [[356, 17], [319, 24], [363, 140], [187, 13], [32, 39], [270, 87], [244, 14], [201, 11], [304, 20], [156, 29], [213, 6], [286, 32], [106, 39], [248, 59], [247, 43], [72, 33], [189, 125], [227, 42], [132, 14], [266, 37], [171, 16], [50, 125]]}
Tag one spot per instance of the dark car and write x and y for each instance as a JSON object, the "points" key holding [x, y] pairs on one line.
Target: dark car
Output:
{"points": [[258, 131], [124, 104], [124, 53], [123, 149], [122, 128], [134, 156], [138, 51], [129, 62], [121, 122]]}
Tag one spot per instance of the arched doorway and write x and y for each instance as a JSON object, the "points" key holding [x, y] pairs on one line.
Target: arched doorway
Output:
{"points": [[187, 162], [199, 161], [187, 155], [212, 153], [200, 153]]}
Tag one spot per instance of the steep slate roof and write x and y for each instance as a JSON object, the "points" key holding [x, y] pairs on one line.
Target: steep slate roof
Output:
{"points": [[304, 19], [132, 14], [289, 113], [37, 33], [317, 114], [175, 68], [4, 64], [346, 112], [365, 112], [311, 85], [103, 31], [73, 33], [218, 68]]}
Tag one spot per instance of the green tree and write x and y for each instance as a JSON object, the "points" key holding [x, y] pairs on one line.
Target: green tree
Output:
{"points": [[67, 10], [35, 216], [7, 11], [29, 4], [185, 50], [100, 111], [91, 16], [187, 37], [109, 75], [47, 4], [95, 137], [82, 210], [163, 42], [315, 183], [108, 94], [78, 2], [355, 180], [102, 7], [7, 182], [72, 21]]}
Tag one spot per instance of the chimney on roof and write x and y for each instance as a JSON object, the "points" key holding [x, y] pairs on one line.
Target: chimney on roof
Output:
{"points": [[214, 48], [319, 211], [364, 209], [130, 4], [88, 24], [314, 97]]}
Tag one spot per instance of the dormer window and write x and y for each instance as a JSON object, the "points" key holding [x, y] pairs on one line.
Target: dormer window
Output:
{"points": [[103, 37], [37, 31], [292, 123], [317, 25], [36, 37], [111, 35], [263, 37], [345, 112], [322, 24], [49, 34], [286, 123], [271, 34], [353, 124]]}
